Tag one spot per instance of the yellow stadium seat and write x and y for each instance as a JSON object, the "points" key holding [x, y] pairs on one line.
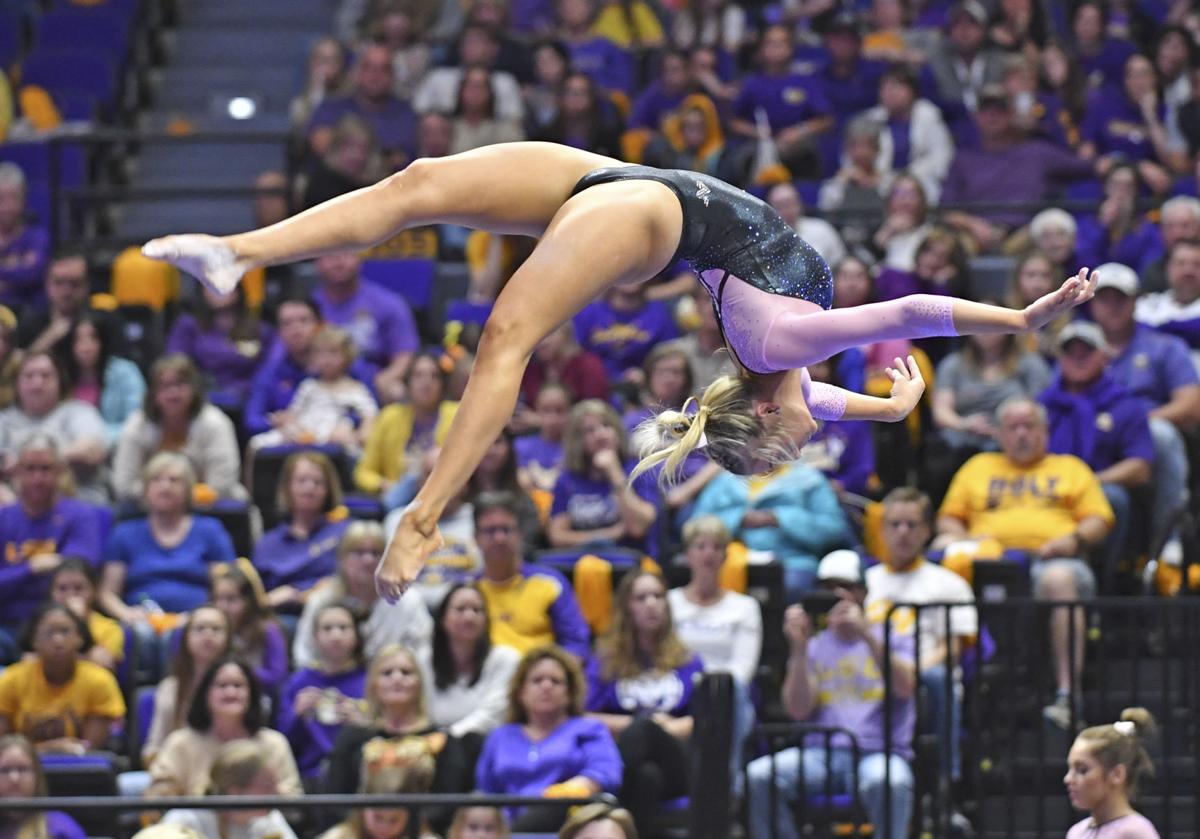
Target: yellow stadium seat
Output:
{"points": [[138, 281]]}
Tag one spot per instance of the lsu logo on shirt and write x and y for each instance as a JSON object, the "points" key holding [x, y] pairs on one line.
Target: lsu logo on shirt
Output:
{"points": [[1041, 490], [24, 551], [619, 334]]}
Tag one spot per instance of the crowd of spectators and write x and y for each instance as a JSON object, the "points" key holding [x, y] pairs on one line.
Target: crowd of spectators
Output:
{"points": [[916, 144]]}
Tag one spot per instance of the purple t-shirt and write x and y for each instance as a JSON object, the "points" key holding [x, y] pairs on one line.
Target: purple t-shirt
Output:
{"points": [[606, 64], [393, 121], [651, 692], [653, 106], [1101, 425], [1116, 125], [1107, 66], [1153, 366], [283, 559], [71, 528], [380, 322], [788, 100], [61, 826], [22, 268], [311, 739], [177, 578], [591, 504], [540, 457], [1133, 826], [229, 364], [850, 691], [843, 451], [853, 93], [623, 339], [512, 764]]}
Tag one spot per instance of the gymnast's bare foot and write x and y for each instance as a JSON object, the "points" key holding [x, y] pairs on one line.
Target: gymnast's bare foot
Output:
{"points": [[207, 258], [405, 555], [1075, 291]]}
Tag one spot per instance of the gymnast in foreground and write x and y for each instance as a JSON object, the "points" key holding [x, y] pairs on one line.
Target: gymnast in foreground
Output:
{"points": [[602, 222]]}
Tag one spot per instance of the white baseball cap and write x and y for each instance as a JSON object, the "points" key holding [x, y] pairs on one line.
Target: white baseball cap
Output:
{"points": [[843, 565], [1121, 277]]}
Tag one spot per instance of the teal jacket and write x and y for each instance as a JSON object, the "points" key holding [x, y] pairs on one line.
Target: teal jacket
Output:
{"points": [[811, 521]]}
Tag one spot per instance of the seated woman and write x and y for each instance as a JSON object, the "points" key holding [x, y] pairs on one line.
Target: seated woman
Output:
{"points": [[640, 684], [594, 502], [475, 120], [178, 417], [108, 382], [43, 406], [497, 472], [539, 456], [599, 821], [396, 721], [21, 776], [294, 556], [669, 381], [241, 767], [74, 584], [226, 706], [1033, 273], [227, 340], [165, 558], [256, 635], [466, 677], [971, 383], [549, 748], [406, 622], [390, 767], [58, 699], [206, 638], [404, 432], [317, 701]]}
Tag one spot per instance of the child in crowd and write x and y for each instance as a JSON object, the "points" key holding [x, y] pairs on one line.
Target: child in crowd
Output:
{"points": [[256, 635], [332, 407], [316, 701], [74, 585]]}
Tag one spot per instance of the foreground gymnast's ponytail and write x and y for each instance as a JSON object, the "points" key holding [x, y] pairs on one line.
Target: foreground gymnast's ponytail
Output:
{"points": [[1122, 744], [723, 424]]}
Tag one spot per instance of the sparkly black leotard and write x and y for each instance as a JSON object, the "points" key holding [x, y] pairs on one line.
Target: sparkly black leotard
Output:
{"points": [[730, 234], [771, 290]]}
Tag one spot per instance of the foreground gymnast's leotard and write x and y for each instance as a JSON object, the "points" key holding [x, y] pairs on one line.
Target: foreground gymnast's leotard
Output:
{"points": [[771, 291]]}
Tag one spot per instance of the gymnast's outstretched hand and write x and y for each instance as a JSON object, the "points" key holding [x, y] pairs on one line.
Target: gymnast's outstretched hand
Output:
{"points": [[1075, 291], [207, 258], [405, 555], [907, 385]]}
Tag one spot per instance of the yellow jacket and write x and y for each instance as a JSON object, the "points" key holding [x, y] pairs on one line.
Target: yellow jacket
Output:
{"points": [[383, 460]]}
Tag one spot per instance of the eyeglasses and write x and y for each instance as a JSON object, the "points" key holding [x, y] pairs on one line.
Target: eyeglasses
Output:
{"points": [[495, 530]]}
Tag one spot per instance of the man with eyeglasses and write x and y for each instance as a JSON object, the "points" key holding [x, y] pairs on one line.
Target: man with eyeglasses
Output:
{"points": [[529, 606], [44, 327]]}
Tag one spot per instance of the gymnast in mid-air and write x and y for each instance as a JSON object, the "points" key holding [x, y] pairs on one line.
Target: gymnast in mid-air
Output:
{"points": [[601, 222]]}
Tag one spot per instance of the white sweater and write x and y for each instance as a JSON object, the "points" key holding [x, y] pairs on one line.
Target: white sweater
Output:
{"points": [[726, 635], [478, 708]]}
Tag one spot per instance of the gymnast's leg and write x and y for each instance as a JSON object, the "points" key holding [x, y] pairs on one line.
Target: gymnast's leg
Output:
{"points": [[504, 188], [614, 233], [805, 334]]}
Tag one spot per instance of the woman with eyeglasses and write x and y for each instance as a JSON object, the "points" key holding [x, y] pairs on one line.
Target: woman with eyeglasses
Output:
{"points": [[21, 776]]}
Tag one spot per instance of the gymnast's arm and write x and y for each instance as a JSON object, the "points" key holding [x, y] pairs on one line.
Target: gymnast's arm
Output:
{"points": [[827, 402]]}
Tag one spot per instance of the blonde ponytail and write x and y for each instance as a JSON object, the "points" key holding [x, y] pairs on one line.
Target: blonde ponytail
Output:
{"points": [[723, 423], [1123, 744]]}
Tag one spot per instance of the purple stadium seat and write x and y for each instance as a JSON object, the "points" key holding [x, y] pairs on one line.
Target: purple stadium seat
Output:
{"points": [[466, 312], [412, 279], [97, 28], [89, 71]]}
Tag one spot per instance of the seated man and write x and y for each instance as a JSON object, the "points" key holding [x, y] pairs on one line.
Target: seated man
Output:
{"points": [[36, 533], [1094, 417], [43, 328], [834, 678], [1157, 369], [528, 606], [1049, 505], [906, 577], [24, 248], [1176, 311]]}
